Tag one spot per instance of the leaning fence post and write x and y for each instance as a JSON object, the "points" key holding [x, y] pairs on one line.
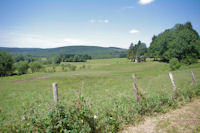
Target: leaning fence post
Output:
{"points": [[173, 84], [55, 93], [135, 88], [194, 79]]}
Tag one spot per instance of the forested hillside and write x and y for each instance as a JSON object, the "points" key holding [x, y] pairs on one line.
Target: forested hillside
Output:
{"points": [[94, 51]]}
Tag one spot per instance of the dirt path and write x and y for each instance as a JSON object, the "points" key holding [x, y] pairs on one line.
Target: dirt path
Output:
{"points": [[35, 78], [183, 120]]}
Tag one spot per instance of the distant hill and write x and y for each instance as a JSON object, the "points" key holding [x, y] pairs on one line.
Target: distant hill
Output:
{"points": [[94, 51]]}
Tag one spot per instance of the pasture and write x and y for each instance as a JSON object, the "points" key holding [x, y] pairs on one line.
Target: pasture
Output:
{"points": [[100, 81]]}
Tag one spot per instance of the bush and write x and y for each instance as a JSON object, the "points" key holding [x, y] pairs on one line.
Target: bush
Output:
{"points": [[77, 118], [35, 66], [6, 63], [174, 64], [190, 60], [71, 67], [22, 67]]}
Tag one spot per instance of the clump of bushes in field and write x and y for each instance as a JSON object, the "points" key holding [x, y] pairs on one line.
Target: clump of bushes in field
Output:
{"points": [[174, 64], [35, 66], [69, 67], [80, 117], [22, 67], [20, 64]]}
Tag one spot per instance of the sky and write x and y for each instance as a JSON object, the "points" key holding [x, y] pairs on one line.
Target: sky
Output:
{"points": [[107, 23]]}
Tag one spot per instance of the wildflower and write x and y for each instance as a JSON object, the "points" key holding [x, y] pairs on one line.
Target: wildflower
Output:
{"points": [[95, 116], [23, 118]]}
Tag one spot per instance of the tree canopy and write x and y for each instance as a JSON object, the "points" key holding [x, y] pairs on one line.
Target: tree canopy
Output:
{"points": [[181, 42], [6, 63], [137, 51]]}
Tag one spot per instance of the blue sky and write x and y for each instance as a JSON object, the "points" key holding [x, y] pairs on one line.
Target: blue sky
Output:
{"points": [[55, 23]]}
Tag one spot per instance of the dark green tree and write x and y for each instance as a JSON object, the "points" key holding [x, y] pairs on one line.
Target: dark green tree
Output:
{"points": [[181, 42], [6, 63], [22, 67], [131, 52], [137, 51], [35, 66]]}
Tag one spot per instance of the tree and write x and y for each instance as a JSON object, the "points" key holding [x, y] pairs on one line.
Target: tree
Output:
{"points": [[20, 57], [57, 59], [6, 63], [35, 66], [131, 52], [22, 67], [76, 58], [181, 42], [137, 51]]}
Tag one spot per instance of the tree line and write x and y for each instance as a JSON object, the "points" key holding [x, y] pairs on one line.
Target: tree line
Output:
{"points": [[71, 58], [179, 44], [19, 64]]}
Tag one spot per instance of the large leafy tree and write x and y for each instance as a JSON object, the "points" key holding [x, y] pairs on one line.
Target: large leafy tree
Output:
{"points": [[6, 63], [136, 51], [181, 42]]}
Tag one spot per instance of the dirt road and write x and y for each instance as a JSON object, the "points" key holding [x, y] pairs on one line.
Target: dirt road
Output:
{"points": [[183, 120]]}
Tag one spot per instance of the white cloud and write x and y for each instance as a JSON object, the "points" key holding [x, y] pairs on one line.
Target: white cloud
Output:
{"points": [[128, 7], [133, 31], [92, 20], [105, 21], [144, 2]]}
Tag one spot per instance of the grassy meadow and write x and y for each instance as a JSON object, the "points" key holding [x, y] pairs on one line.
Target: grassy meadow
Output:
{"points": [[100, 81]]}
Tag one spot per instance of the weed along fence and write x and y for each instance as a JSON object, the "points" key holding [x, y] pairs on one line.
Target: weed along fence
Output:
{"points": [[139, 95]]}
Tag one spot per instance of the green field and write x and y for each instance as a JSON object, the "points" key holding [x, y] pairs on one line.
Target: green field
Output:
{"points": [[101, 82]]}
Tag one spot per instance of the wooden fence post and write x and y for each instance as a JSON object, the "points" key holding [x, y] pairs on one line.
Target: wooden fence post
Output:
{"points": [[55, 93], [135, 88], [173, 84], [194, 79]]}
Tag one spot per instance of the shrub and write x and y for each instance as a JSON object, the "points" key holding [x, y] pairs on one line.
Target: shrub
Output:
{"points": [[71, 67], [174, 64], [6, 63], [69, 119], [63, 67], [22, 67], [190, 60], [35, 66], [82, 67]]}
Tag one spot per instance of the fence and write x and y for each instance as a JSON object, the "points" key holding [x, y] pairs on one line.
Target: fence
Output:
{"points": [[135, 88], [138, 93]]}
